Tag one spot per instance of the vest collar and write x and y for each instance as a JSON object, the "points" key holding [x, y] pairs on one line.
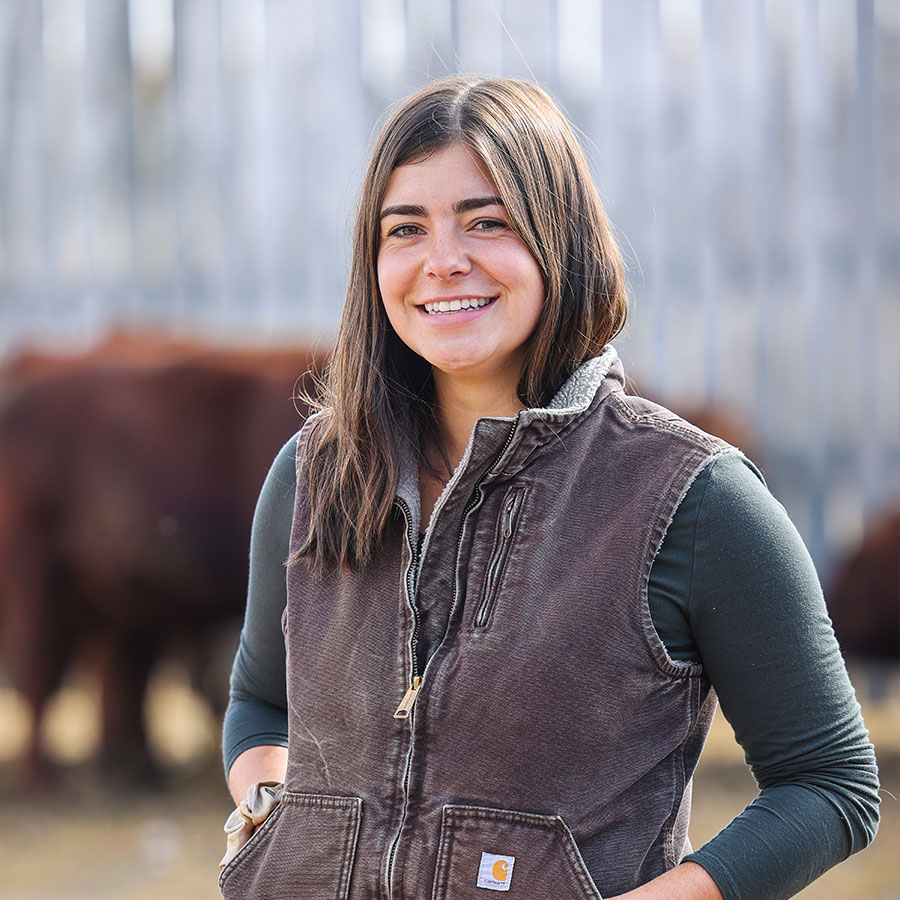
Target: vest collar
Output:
{"points": [[516, 439]]}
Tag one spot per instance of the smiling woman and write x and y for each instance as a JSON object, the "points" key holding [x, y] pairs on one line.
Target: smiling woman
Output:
{"points": [[471, 182], [514, 591]]}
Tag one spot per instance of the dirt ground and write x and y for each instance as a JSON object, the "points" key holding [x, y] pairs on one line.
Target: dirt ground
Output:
{"points": [[88, 842]]}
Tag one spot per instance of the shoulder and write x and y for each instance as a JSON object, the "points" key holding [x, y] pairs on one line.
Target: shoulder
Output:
{"points": [[278, 488], [727, 501], [653, 415], [302, 438], [732, 496], [728, 481], [743, 540], [726, 491], [643, 429], [283, 468]]}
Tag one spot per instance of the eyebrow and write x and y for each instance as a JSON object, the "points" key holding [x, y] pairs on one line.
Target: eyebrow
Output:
{"points": [[476, 203], [461, 206]]}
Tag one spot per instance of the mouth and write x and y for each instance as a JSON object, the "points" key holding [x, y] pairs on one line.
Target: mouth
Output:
{"points": [[448, 307]]}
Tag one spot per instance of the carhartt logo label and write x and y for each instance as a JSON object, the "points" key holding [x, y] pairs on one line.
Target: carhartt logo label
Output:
{"points": [[495, 872]]}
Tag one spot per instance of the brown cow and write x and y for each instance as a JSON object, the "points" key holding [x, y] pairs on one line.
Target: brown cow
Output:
{"points": [[864, 600], [126, 495]]}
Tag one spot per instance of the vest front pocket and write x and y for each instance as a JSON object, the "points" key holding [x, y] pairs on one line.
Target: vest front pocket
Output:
{"points": [[303, 851], [533, 856]]}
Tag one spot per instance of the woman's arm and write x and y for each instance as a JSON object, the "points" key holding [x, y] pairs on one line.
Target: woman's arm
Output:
{"points": [[254, 738], [687, 881], [758, 623]]}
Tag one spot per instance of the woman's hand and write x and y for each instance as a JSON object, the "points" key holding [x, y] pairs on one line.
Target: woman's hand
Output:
{"points": [[256, 781], [262, 798], [687, 881], [263, 763]]}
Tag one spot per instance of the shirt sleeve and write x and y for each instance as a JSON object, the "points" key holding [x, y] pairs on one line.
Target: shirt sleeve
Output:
{"points": [[760, 626], [257, 707]]}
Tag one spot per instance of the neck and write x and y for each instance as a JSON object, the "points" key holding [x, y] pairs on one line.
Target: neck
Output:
{"points": [[462, 402]]}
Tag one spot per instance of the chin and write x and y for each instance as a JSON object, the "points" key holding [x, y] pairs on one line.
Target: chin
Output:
{"points": [[459, 364], [470, 369]]}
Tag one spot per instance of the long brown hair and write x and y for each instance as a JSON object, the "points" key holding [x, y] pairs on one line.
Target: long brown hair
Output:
{"points": [[378, 394]]}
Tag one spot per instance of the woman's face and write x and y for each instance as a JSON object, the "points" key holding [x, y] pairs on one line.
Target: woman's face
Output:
{"points": [[459, 286]]}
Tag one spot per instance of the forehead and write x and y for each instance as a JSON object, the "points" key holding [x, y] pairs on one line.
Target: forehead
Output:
{"points": [[450, 173]]}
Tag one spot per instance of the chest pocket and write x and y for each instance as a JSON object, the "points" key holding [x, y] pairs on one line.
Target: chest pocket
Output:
{"points": [[504, 536]]}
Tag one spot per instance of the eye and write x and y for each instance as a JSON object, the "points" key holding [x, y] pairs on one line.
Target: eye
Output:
{"points": [[489, 225], [406, 230]]}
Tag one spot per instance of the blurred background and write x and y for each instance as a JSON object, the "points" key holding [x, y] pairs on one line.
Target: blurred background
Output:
{"points": [[176, 179]]}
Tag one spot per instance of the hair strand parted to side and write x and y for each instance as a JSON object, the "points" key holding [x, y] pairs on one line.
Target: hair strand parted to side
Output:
{"points": [[377, 393]]}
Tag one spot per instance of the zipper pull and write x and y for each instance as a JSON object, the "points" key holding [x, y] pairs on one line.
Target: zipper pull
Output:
{"points": [[406, 704], [508, 519]]}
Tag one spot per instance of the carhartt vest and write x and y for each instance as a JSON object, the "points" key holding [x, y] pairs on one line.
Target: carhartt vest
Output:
{"points": [[549, 748]]}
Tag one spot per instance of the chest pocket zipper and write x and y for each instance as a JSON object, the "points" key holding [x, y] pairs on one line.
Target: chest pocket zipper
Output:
{"points": [[506, 529]]}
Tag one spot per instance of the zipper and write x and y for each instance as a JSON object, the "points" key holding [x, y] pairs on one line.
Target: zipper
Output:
{"points": [[410, 592], [498, 560], [412, 692], [405, 709]]}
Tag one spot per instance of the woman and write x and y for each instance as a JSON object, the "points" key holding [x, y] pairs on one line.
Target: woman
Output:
{"points": [[512, 588]]}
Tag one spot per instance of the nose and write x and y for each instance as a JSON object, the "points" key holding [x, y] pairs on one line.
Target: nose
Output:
{"points": [[446, 256]]}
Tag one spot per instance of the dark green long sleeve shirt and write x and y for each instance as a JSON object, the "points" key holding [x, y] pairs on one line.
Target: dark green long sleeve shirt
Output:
{"points": [[732, 587]]}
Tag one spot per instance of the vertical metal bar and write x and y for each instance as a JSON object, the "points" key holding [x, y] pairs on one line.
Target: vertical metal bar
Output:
{"points": [[225, 170], [48, 186], [480, 37], [650, 190], [9, 59], [867, 242], [709, 160], [677, 195], [763, 209], [130, 186], [177, 175], [815, 320]]}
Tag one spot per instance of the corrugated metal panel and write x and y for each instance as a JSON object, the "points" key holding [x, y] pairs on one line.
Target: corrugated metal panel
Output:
{"points": [[193, 164]]}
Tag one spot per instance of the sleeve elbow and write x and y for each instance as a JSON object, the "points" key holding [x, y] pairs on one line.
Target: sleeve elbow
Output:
{"points": [[864, 814]]}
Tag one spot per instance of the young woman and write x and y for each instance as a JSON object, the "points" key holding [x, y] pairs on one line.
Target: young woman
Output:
{"points": [[514, 591]]}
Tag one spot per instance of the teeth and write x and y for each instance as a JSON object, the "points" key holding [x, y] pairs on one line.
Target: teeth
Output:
{"points": [[448, 306]]}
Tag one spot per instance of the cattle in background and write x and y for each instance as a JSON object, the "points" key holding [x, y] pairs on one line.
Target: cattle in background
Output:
{"points": [[864, 599], [127, 486]]}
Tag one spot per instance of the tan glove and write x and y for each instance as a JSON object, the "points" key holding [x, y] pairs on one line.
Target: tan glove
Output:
{"points": [[262, 798]]}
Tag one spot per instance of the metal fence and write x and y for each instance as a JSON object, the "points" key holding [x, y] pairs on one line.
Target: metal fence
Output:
{"points": [[191, 164]]}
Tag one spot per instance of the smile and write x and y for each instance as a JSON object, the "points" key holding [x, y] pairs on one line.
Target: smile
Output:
{"points": [[440, 307]]}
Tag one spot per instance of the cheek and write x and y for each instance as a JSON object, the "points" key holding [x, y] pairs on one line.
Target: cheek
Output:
{"points": [[391, 296], [525, 272], [535, 291], [381, 275], [389, 281]]}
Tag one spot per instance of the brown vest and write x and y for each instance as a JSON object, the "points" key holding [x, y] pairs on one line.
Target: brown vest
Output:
{"points": [[550, 747]]}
